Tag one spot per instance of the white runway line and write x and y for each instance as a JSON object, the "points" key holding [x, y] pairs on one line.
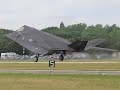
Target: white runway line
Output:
{"points": [[57, 62], [63, 72]]}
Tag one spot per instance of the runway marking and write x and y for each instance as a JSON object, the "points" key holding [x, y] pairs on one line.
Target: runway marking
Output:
{"points": [[58, 62], [62, 72]]}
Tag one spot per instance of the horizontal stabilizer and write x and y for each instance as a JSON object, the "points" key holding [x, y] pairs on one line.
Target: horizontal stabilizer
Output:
{"points": [[78, 45]]}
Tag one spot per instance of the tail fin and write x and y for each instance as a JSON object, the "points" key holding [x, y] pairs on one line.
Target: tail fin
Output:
{"points": [[93, 43], [78, 45]]}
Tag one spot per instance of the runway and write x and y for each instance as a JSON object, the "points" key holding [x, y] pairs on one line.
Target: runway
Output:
{"points": [[61, 72], [56, 62], [53, 71]]}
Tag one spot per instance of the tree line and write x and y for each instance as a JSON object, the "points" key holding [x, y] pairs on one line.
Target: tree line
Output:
{"points": [[82, 31], [72, 33]]}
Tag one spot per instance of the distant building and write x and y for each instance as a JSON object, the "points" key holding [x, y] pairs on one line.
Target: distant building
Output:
{"points": [[80, 55], [9, 55], [116, 54]]}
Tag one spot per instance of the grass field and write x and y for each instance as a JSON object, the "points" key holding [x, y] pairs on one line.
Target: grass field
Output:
{"points": [[62, 66], [22, 81], [13, 81]]}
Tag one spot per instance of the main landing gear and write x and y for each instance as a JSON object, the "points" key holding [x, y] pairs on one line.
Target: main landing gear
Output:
{"points": [[35, 59], [61, 57]]}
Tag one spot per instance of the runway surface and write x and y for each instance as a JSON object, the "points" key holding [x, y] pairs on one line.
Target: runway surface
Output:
{"points": [[61, 72], [59, 62], [52, 71]]}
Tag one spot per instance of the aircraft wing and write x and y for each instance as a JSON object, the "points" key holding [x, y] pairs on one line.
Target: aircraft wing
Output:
{"points": [[37, 41], [27, 42]]}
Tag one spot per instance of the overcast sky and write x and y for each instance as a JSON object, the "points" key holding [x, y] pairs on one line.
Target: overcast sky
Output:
{"points": [[45, 13]]}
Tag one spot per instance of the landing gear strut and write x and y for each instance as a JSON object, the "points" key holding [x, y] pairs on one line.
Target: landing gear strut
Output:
{"points": [[36, 58], [61, 57]]}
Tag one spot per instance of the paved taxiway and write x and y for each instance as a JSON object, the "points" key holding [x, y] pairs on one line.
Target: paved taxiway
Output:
{"points": [[61, 72], [60, 62], [52, 71]]}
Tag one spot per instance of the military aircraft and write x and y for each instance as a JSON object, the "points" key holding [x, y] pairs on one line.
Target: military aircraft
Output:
{"points": [[42, 43]]}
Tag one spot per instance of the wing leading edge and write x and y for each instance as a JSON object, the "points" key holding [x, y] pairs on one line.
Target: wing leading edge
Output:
{"points": [[37, 41]]}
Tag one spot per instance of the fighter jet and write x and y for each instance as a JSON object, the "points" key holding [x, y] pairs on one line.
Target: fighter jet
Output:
{"points": [[42, 43]]}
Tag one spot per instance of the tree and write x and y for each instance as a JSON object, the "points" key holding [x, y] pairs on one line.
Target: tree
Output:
{"points": [[62, 25], [72, 33], [93, 32]]}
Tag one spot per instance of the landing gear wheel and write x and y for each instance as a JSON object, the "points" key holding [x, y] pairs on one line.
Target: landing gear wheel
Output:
{"points": [[35, 59], [61, 57]]}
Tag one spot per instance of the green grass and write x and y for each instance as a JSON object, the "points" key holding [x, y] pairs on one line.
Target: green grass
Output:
{"points": [[22, 81], [62, 66], [14, 81]]}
